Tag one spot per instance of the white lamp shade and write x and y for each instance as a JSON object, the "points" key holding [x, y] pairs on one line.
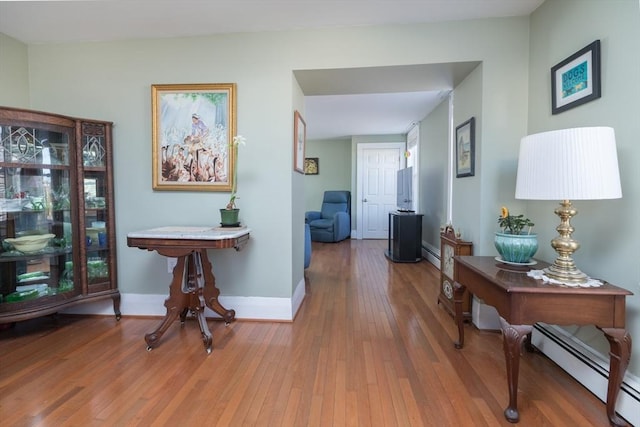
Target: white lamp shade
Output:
{"points": [[569, 164]]}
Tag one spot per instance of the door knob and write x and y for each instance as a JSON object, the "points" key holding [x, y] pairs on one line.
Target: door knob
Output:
{"points": [[364, 200]]}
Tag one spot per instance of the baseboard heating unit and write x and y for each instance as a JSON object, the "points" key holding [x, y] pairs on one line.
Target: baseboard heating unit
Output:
{"points": [[589, 367]]}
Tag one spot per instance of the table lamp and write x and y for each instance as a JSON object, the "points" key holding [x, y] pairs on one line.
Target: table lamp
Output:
{"points": [[565, 165]]}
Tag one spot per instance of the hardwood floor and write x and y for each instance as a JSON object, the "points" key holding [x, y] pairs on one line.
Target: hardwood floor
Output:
{"points": [[369, 347]]}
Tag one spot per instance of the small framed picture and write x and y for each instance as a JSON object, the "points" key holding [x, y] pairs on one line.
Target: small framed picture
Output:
{"points": [[311, 166], [576, 80], [465, 148], [299, 141]]}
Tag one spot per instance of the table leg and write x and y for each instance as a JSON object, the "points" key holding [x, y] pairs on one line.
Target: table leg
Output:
{"points": [[116, 305], [458, 295], [619, 353], [513, 337], [175, 304], [196, 283], [183, 315], [211, 292]]}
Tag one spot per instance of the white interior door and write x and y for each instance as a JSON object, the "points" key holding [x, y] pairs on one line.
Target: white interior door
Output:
{"points": [[377, 166]]}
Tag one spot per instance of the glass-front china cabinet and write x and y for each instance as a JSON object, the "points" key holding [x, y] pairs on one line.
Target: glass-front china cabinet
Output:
{"points": [[57, 225]]}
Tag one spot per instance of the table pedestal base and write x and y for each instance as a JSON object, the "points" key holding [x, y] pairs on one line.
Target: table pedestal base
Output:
{"points": [[193, 287]]}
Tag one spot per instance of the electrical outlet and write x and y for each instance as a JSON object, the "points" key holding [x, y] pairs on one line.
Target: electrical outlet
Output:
{"points": [[171, 263]]}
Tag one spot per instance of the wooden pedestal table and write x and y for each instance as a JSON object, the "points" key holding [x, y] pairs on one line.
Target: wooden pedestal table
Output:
{"points": [[522, 301], [193, 286]]}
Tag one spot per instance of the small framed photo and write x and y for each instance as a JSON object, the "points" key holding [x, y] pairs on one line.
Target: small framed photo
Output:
{"points": [[299, 141], [576, 80], [311, 166], [466, 148], [192, 129]]}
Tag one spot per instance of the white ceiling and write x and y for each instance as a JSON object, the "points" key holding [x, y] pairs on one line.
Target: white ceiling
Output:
{"points": [[375, 100], [338, 103]]}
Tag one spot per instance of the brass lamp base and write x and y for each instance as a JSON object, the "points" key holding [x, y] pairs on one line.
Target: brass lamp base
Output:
{"points": [[563, 268], [563, 273]]}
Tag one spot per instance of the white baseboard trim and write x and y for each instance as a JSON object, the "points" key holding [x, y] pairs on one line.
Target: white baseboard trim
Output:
{"points": [[247, 308], [589, 367], [298, 297], [431, 254]]}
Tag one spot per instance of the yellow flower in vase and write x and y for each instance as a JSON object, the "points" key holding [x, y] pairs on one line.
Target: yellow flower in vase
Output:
{"points": [[513, 224]]}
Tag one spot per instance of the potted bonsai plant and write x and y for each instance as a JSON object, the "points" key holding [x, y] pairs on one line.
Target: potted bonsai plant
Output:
{"points": [[515, 243]]}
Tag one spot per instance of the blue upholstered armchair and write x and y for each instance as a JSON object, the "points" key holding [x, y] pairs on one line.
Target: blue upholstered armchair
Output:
{"points": [[333, 222]]}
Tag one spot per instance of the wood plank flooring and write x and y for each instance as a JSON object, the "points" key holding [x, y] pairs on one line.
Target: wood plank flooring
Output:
{"points": [[369, 347]]}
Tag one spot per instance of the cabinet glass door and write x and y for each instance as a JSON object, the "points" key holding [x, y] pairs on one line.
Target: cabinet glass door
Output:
{"points": [[36, 256], [96, 210]]}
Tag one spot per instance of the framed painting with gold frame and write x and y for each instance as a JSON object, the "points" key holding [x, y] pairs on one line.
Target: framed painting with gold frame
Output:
{"points": [[192, 129], [299, 141]]}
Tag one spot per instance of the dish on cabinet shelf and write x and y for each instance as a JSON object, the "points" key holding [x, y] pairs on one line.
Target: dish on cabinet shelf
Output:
{"points": [[30, 243], [42, 288], [95, 202], [12, 205], [32, 277]]}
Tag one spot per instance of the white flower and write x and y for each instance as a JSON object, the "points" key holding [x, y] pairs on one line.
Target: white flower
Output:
{"points": [[239, 140]]}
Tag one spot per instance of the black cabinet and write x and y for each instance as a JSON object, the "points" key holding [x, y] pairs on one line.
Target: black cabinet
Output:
{"points": [[405, 237]]}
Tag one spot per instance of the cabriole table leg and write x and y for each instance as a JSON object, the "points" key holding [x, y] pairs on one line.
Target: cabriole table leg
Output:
{"points": [[513, 337], [619, 353]]}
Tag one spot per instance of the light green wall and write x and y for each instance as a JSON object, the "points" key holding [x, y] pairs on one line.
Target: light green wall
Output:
{"points": [[434, 167], [295, 253], [334, 158], [468, 192], [607, 230], [14, 73], [111, 81]]}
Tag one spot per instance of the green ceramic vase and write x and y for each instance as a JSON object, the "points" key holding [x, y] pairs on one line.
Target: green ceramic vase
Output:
{"points": [[516, 248]]}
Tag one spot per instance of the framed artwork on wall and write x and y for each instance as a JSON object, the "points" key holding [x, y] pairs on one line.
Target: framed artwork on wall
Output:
{"points": [[576, 80], [192, 129], [465, 148], [299, 141], [311, 166]]}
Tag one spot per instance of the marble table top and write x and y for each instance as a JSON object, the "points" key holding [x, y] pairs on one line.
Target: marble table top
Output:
{"points": [[191, 233]]}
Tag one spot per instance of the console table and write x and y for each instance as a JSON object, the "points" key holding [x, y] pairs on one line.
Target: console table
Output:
{"points": [[522, 301], [193, 285]]}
